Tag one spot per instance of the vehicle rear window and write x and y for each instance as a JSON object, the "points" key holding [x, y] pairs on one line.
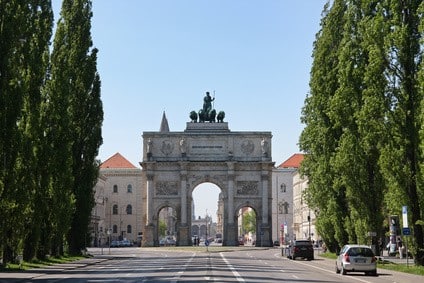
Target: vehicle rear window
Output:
{"points": [[303, 243], [360, 252]]}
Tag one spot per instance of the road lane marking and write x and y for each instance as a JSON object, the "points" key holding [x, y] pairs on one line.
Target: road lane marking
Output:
{"points": [[233, 270], [323, 269], [332, 272], [180, 272]]}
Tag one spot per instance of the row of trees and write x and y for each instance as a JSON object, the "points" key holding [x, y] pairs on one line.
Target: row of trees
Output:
{"points": [[364, 121], [51, 116]]}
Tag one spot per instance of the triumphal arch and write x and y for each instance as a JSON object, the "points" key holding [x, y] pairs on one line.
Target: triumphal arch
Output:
{"points": [[175, 163]]}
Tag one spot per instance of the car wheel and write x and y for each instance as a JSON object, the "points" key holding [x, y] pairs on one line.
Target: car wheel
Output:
{"points": [[374, 272], [337, 269], [343, 271]]}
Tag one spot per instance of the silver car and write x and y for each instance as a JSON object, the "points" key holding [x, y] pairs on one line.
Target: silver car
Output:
{"points": [[356, 258]]}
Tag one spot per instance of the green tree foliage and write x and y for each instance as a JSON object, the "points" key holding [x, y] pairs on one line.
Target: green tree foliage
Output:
{"points": [[79, 87], [402, 157], [32, 159], [363, 118], [249, 222], [51, 116], [162, 228], [320, 136], [24, 36]]}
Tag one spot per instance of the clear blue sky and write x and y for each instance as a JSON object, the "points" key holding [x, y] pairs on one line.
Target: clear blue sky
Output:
{"points": [[163, 55]]}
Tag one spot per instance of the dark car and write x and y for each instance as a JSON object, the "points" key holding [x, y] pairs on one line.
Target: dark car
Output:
{"points": [[302, 249]]}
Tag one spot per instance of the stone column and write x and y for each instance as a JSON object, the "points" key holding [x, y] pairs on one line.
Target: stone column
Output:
{"points": [[183, 184], [150, 191], [264, 198], [230, 205], [230, 237]]}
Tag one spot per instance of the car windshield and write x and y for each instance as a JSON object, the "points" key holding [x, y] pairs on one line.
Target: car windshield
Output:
{"points": [[366, 252]]}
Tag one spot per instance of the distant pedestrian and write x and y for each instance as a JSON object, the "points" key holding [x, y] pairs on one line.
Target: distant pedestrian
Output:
{"points": [[324, 247], [401, 249]]}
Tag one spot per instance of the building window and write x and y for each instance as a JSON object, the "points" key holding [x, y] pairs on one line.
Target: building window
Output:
{"points": [[283, 188], [115, 209], [129, 209], [129, 229], [129, 188], [115, 229], [115, 189], [286, 208]]}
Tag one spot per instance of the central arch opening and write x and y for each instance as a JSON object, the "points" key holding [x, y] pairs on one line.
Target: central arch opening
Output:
{"points": [[247, 226], [207, 212]]}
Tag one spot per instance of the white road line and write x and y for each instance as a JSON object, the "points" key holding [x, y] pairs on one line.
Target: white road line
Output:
{"points": [[323, 269], [233, 270], [176, 278], [332, 272]]}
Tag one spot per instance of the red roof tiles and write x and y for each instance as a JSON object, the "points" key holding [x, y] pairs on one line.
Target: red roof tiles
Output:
{"points": [[117, 161], [293, 161]]}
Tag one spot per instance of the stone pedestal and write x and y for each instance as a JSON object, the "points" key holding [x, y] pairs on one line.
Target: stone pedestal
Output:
{"points": [[183, 236], [230, 237], [265, 239], [148, 236]]}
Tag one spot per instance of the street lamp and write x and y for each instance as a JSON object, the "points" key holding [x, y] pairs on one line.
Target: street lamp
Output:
{"points": [[309, 224], [108, 233]]}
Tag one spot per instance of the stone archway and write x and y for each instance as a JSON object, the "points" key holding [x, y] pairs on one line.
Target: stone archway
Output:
{"points": [[174, 163]]}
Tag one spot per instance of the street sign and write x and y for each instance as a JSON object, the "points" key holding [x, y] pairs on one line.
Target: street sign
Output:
{"points": [[405, 216], [406, 231]]}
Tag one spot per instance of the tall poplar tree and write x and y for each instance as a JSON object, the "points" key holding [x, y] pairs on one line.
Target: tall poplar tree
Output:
{"points": [[402, 157], [31, 158], [320, 137], [370, 110], [356, 158], [81, 84], [12, 26], [25, 30]]}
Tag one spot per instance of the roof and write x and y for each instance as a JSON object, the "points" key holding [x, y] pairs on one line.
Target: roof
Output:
{"points": [[293, 161], [117, 161]]}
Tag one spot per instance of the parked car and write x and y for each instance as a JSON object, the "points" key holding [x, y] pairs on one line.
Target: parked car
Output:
{"points": [[125, 243], [356, 258], [276, 243], [301, 248], [114, 244], [170, 242]]}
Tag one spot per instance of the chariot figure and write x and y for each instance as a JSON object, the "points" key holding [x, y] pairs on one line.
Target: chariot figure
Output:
{"points": [[207, 103]]}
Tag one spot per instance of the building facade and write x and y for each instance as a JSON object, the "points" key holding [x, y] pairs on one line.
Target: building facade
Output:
{"points": [[118, 201], [282, 194], [304, 217]]}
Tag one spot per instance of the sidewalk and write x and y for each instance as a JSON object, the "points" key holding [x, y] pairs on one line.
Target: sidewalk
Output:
{"points": [[19, 276], [384, 257], [395, 259]]}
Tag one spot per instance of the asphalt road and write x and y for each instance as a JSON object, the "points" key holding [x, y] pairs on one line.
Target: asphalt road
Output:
{"points": [[215, 264]]}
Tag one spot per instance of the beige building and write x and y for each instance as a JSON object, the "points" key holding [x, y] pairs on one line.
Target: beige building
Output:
{"points": [[98, 214], [282, 196], [303, 216], [118, 201]]}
